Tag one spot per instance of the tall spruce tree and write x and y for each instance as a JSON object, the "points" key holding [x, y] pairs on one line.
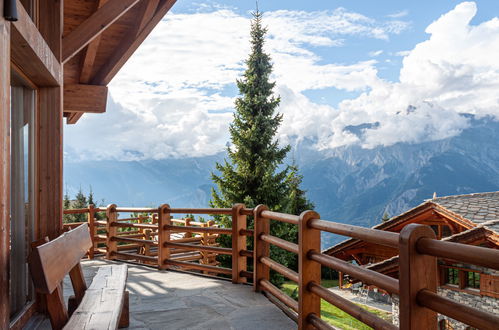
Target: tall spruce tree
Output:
{"points": [[254, 173]]}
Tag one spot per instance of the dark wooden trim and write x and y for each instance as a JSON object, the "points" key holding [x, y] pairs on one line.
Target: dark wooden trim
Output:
{"points": [[85, 98], [4, 168]]}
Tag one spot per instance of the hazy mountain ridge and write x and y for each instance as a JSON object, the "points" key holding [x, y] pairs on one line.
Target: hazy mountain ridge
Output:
{"points": [[348, 184]]}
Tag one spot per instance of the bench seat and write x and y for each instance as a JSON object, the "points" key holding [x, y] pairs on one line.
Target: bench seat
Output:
{"points": [[103, 302]]}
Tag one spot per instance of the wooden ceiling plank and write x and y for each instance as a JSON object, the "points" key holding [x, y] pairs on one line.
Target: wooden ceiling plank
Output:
{"points": [[94, 26], [129, 45]]}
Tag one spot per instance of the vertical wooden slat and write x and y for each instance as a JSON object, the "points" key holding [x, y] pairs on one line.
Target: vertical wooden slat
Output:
{"points": [[4, 168], [417, 271], [262, 249], [91, 228], [50, 181], [57, 308], [112, 246], [238, 244], [308, 270], [164, 218]]}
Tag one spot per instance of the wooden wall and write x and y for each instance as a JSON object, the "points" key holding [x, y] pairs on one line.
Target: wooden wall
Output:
{"points": [[4, 168]]}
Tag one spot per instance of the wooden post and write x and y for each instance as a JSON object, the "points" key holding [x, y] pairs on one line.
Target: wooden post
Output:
{"points": [[187, 224], [239, 262], [340, 280], [262, 249], [204, 241], [112, 231], [417, 271], [309, 271], [164, 218], [91, 228], [4, 169]]}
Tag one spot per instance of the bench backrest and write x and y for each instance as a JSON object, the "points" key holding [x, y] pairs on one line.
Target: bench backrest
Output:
{"points": [[52, 261]]}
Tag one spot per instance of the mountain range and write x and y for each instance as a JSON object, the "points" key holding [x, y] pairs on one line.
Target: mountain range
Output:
{"points": [[347, 184]]}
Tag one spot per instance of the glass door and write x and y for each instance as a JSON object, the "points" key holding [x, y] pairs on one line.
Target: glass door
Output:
{"points": [[22, 194]]}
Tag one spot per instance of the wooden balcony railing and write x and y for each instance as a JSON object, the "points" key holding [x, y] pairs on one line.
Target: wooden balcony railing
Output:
{"points": [[418, 253]]}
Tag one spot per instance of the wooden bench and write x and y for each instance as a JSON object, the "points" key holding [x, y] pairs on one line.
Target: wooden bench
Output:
{"points": [[104, 305]]}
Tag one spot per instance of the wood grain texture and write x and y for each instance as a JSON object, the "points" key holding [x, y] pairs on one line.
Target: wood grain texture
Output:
{"points": [[239, 262], [129, 45], [92, 27], [4, 168], [104, 299], [262, 248], [164, 219], [417, 272], [111, 231], [49, 159], [48, 265], [309, 240], [85, 98], [31, 52]]}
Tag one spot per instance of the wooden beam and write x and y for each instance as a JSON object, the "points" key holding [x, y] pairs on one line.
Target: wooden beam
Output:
{"points": [[4, 169], [31, 52], [148, 9], [93, 26], [50, 24], [90, 53], [85, 98], [129, 45], [73, 117]]}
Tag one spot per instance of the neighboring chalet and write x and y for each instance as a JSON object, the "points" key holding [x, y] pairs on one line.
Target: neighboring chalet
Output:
{"points": [[56, 60], [468, 219]]}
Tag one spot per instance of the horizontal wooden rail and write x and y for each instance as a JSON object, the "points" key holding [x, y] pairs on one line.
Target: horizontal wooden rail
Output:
{"points": [[211, 211], [365, 275], [285, 309], [135, 256], [365, 234], [246, 253], [76, 211], [134, 225], [463, 313], [283, 217], [136, 209], [246, 274], [133, 240], [128, 246], [246, 211], [284, 271], [319, 323], [189, 265], [350, 308], [100, 222], [246, 232], [191, 229], [283, 244], [194, 247], [287, 300], [67, 224], [475, 255]]}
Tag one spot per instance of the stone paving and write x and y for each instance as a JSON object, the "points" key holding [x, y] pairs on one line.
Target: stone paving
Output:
{"points": [[176, 300]]}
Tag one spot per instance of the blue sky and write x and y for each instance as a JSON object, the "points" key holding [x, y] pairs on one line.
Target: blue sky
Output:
{"points": [[337, 64]]}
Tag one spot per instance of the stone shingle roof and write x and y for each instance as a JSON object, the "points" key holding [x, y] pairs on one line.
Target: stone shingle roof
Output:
{"points": [[478, 208]]}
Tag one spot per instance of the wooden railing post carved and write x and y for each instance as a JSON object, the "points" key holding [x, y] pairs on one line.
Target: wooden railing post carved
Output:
{"points": [[238, 244], [111, 231], [417, 271], [309, 240], [262, 249], [91, 228], [164, 218]]}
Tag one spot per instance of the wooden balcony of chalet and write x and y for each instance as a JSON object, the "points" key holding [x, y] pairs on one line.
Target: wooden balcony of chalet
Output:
{"points": [[175, 279]]}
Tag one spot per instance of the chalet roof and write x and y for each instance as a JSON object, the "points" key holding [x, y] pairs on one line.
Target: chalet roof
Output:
{"points": [[478, 208], [487, 228], [474, 209]]}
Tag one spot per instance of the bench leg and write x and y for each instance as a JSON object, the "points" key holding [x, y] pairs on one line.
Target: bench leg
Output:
{"points": [[125, 313]]}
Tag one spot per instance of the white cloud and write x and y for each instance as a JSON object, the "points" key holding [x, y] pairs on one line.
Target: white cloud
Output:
{"points": [[375, 53], [399, 14], [175, 95]]}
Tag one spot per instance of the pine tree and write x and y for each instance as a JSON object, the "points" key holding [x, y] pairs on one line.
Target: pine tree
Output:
{"points": [[80, 203], [254, 173], [66, 204]]}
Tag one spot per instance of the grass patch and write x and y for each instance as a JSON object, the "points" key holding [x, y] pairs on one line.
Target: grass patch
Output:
{"points": [[333, 315]]}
